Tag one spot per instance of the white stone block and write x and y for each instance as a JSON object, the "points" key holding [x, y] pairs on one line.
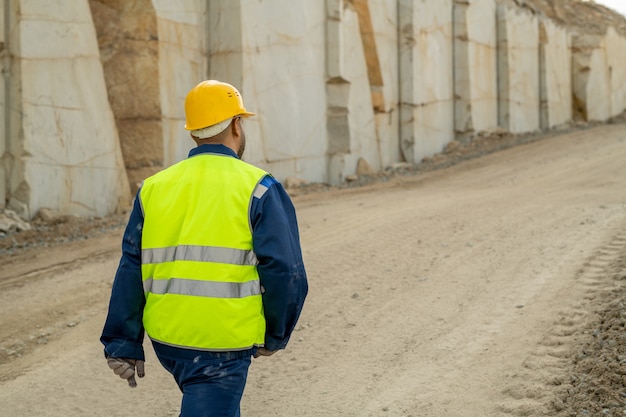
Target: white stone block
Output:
{"points": [[426, 71], [475, 66], [70, 158], [599, 86], [616, 60], [357, 104], [226, 47], [518, 70], [555, 75], [283, 81]]}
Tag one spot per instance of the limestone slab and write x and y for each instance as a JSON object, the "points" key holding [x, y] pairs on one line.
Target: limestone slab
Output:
{"points": [[350, 100], [283, 81], [475, 67], [70, 159], [599, 85], [426, 71], [518, 70], [555, 75], [616, 54]]}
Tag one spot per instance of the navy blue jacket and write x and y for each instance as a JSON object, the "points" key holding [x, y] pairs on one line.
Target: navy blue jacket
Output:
{"points": [[281, 271]]}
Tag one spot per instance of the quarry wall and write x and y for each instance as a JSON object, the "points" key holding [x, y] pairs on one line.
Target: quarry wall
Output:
{"points": [[93, 90]]}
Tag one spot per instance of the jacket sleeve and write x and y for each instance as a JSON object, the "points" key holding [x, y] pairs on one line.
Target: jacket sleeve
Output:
{"points": [[123, 331], [281, 269]]}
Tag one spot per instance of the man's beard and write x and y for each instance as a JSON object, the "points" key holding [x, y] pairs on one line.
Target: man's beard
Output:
{"points": [[242, 147]]}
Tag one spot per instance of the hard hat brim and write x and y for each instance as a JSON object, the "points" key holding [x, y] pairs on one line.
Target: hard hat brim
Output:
{"points": [[244, 115]]}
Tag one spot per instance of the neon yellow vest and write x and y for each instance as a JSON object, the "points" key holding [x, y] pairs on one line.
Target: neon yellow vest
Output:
{"points": [[198, 266]]}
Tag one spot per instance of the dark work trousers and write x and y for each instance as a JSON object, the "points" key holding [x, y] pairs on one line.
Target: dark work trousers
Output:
{"points": [[212, 383]]}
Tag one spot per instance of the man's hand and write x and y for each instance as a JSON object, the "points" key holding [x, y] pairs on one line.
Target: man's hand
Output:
{"points": [[264, 352], [125, 368]]}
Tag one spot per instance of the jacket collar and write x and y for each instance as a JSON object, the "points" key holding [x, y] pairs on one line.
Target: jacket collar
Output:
{"points": [[214, 149]]}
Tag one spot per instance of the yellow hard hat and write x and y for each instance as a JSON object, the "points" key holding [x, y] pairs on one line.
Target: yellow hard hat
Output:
{"points": [[212, 102]]}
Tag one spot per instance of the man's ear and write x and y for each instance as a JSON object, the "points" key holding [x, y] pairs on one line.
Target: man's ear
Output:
{"points": [[236, 126]]}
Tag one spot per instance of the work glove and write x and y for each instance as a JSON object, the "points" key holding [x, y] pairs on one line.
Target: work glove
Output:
{"points": [[125, 368], [264, 352]]}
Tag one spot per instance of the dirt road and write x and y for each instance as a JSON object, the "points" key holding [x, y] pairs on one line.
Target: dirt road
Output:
{"points": [[461, 292]]}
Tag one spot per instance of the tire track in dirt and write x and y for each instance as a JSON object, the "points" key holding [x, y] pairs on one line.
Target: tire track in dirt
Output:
{"points": [[544, 386]]}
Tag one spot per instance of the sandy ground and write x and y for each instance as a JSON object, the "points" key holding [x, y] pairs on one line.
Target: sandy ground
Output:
{"points": [[481, 289]]}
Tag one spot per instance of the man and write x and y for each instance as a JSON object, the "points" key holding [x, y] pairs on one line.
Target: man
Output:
{"points": [[211, 264]]}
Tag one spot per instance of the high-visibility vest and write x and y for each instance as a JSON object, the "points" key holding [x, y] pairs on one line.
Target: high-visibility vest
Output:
{"points": [[197, 261]]}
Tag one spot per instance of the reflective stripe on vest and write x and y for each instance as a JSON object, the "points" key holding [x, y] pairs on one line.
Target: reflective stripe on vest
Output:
{"points": [[198, 253], [198, 265], [202, 288]]}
